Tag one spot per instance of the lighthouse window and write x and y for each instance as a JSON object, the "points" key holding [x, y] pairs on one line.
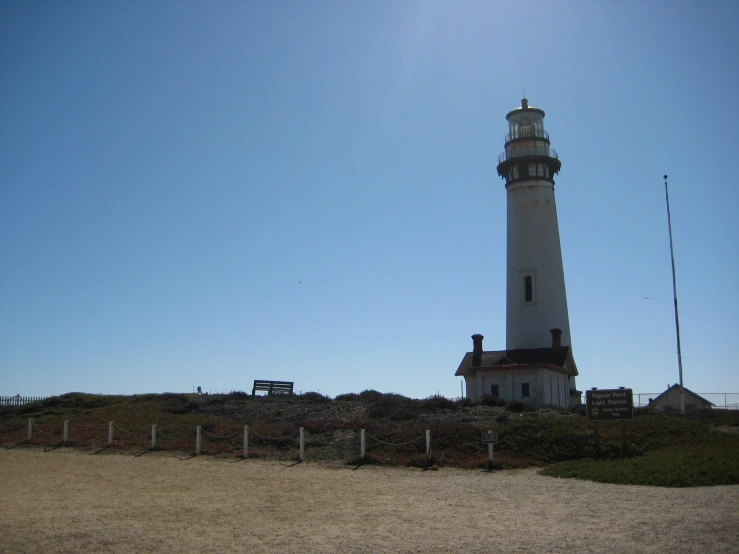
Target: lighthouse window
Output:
{"points": [[514, 169], [546, 171], [528, 287], [540, 170], [532, 170]]}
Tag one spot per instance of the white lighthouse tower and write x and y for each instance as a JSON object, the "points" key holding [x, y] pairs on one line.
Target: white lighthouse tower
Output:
{"points": [[537, 367], [536, 301]]}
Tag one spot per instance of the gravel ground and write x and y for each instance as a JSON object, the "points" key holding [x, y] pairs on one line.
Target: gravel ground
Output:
{"points": [[70, 501]]}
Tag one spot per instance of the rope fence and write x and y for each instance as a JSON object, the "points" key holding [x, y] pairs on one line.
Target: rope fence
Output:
{"points": [[156, 432]]}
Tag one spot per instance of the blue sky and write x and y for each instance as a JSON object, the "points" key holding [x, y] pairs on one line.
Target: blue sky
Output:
{"points": [[207, 193]]}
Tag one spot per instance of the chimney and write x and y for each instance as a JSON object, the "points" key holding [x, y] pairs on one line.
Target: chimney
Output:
{"points": [[477, 350], [556, 338]]}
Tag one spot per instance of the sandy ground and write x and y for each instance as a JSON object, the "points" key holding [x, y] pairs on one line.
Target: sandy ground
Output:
{"points": [[71, 501]]}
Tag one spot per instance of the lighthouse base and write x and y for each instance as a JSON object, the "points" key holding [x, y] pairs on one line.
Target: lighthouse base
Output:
{"points": [[539, 377]]}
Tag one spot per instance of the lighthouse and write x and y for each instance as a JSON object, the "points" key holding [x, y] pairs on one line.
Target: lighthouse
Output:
{"points": [[536, 301], [537, 365]]}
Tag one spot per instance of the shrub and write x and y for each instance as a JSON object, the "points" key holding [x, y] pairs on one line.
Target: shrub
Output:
{"points": [[436, 403], [347, 397], [518, 407], [370, 395], [238, 394], [52, 401], [315, 397], [188, 408], [402, 414], [377, 412], [494, 401]]}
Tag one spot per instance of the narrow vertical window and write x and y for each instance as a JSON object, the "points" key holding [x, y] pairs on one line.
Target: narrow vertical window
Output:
{"points": [[524, 389], [532, 170], [515, 172], [494, 391], [528, 287]]}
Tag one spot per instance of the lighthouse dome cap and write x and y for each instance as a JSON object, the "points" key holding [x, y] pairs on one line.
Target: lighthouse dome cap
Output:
{"points": [[524, 107]]}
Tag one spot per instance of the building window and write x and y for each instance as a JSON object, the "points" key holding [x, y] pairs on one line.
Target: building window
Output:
{"points": [[515, 171], [540, 170], [524, 389], [494, 391], [528, 288], [532, 170], [546, 171]]}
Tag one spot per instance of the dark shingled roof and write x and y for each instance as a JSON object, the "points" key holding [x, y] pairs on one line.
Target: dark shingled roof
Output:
{"points": [[524, 356]]}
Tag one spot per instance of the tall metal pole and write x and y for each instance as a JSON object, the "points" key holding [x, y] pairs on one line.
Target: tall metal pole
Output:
{"points": [[674, 294]]}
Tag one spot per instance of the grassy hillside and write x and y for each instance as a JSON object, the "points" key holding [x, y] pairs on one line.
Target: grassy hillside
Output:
{"points": [[663, 450]]}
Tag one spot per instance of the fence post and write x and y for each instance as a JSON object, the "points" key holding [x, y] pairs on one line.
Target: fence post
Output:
{"points": [[490, 454], [30, 428], [66, 431], [246, 441], [428, 448], [154, 435], [197, 441], [363, 444], [624, 446], [302, 444], [110, 433]]}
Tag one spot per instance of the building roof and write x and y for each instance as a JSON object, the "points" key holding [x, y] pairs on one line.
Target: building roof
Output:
{"points": [[684, 389], [555, 358]]}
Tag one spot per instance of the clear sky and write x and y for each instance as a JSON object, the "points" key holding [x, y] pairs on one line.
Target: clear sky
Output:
{"points": [[207, 193]]}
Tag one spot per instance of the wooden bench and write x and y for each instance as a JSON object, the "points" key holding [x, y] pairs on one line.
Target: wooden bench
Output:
{"points": [[272, 387]]}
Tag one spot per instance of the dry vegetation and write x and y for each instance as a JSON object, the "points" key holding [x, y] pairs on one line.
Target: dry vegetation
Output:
{"points": [[661, 449]]}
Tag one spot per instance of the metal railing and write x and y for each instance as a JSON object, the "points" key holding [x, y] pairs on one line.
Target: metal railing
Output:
{"points": [[720, 400], [19, 400], [527, 133], [528, 151]]}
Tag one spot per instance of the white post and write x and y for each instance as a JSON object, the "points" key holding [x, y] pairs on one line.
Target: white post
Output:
{"points": [[302, 445], [110, 433], [197, 442], [428, 444], [30, 428], [246, 441], [154, 435], [490, 451], [363, 444], [66, 431]]}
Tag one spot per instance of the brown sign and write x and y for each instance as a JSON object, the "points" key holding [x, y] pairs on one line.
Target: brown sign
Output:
{"points": [[489, 438], [609, 404]]}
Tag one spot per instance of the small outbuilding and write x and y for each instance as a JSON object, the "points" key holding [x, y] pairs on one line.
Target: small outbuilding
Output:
{"points": [[670, 400]]}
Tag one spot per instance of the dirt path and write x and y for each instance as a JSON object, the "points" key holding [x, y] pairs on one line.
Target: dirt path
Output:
{"points": [[70, 501]]}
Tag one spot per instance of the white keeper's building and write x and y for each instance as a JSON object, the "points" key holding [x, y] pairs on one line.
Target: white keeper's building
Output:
{"points": [[537, 366]]}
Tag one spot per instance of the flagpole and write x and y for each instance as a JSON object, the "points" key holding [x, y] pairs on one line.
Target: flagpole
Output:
{"points": [[674, 295]]}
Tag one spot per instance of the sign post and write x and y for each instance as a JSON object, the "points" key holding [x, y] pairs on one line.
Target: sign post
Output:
{"points": [[490, 439], [610, 405]]}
